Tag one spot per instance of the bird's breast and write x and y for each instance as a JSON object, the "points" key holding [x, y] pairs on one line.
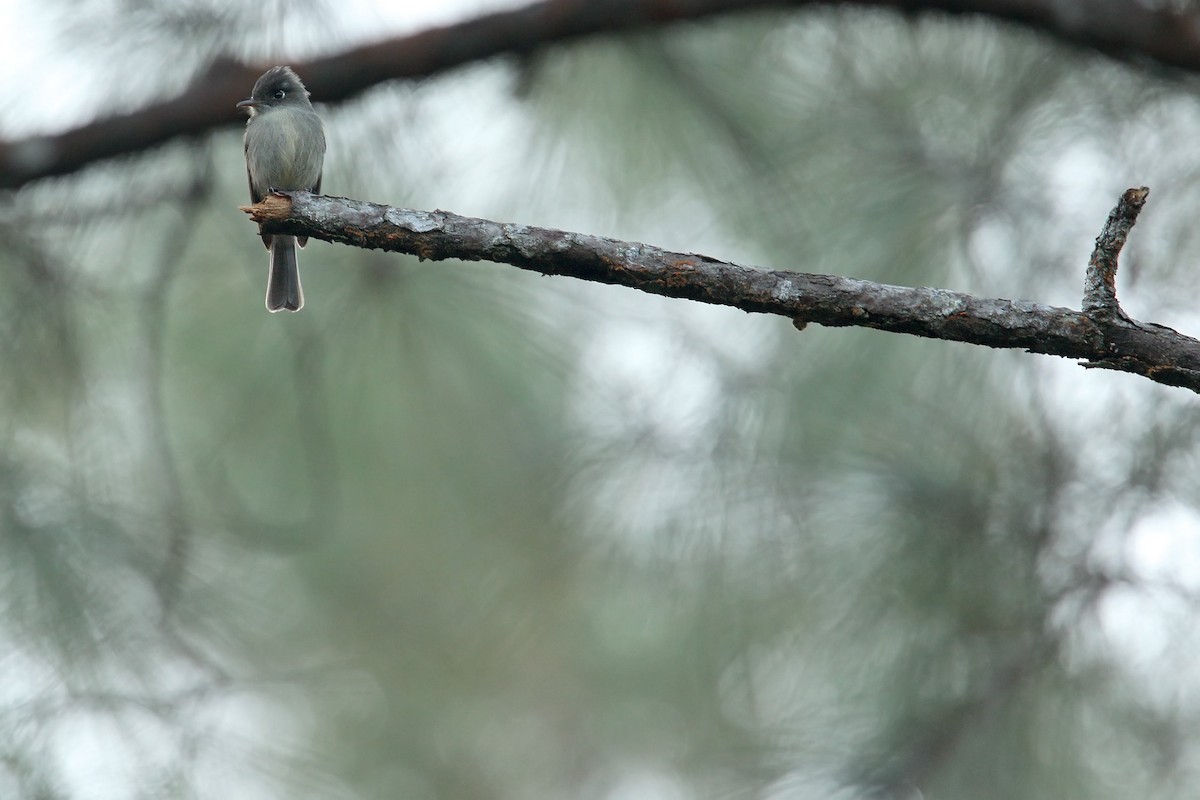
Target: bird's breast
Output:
{"points": [[285, 149]]}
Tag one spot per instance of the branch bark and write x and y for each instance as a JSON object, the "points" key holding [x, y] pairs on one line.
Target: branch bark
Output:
{"points": [[1156, 32], [1099, 339], [1100, 285]]}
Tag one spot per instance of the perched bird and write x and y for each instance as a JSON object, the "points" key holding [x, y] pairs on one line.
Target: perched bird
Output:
{"points": [[285, 149]]}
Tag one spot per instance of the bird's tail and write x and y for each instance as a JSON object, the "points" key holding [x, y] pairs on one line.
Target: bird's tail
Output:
{"points": [[283, 282]]}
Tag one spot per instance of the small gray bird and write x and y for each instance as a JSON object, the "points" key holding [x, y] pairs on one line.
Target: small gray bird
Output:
{"points": [[285, 149]]}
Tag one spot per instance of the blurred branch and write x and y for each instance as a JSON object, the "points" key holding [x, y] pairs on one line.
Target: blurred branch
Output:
{"points": [[1124, 28], [1098, 339], [930, 743]]}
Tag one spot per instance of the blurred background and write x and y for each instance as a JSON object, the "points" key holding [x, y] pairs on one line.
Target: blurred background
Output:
{"points": [[461, 531]]}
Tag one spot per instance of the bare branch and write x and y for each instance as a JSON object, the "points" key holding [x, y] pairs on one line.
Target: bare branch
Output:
{"points": [[1123, 28], [1100, 285], [1153, 351]]}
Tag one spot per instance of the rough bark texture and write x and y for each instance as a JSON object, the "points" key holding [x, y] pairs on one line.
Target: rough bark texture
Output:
{"points": [[1154, 32], [1101, 339], [1100, 285]]}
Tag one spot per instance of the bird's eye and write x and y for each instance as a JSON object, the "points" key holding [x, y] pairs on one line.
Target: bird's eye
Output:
{"points": [[279, 93]]}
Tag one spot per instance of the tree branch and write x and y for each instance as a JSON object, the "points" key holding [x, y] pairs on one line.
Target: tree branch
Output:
{"points": [[1123, 28], [1100, 285], [1099, 340]]}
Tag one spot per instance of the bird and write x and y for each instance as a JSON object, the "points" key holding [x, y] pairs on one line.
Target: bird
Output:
{"points": [[285, 151]]}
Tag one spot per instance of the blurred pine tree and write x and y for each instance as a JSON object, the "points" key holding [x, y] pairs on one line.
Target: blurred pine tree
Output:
{"points": [[457, 531]]}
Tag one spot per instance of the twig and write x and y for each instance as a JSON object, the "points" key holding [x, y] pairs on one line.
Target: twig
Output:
{"points": [[1100, 285]]}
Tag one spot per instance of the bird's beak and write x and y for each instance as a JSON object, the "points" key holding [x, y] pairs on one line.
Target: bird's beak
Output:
{"points": [[249, 102]]}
